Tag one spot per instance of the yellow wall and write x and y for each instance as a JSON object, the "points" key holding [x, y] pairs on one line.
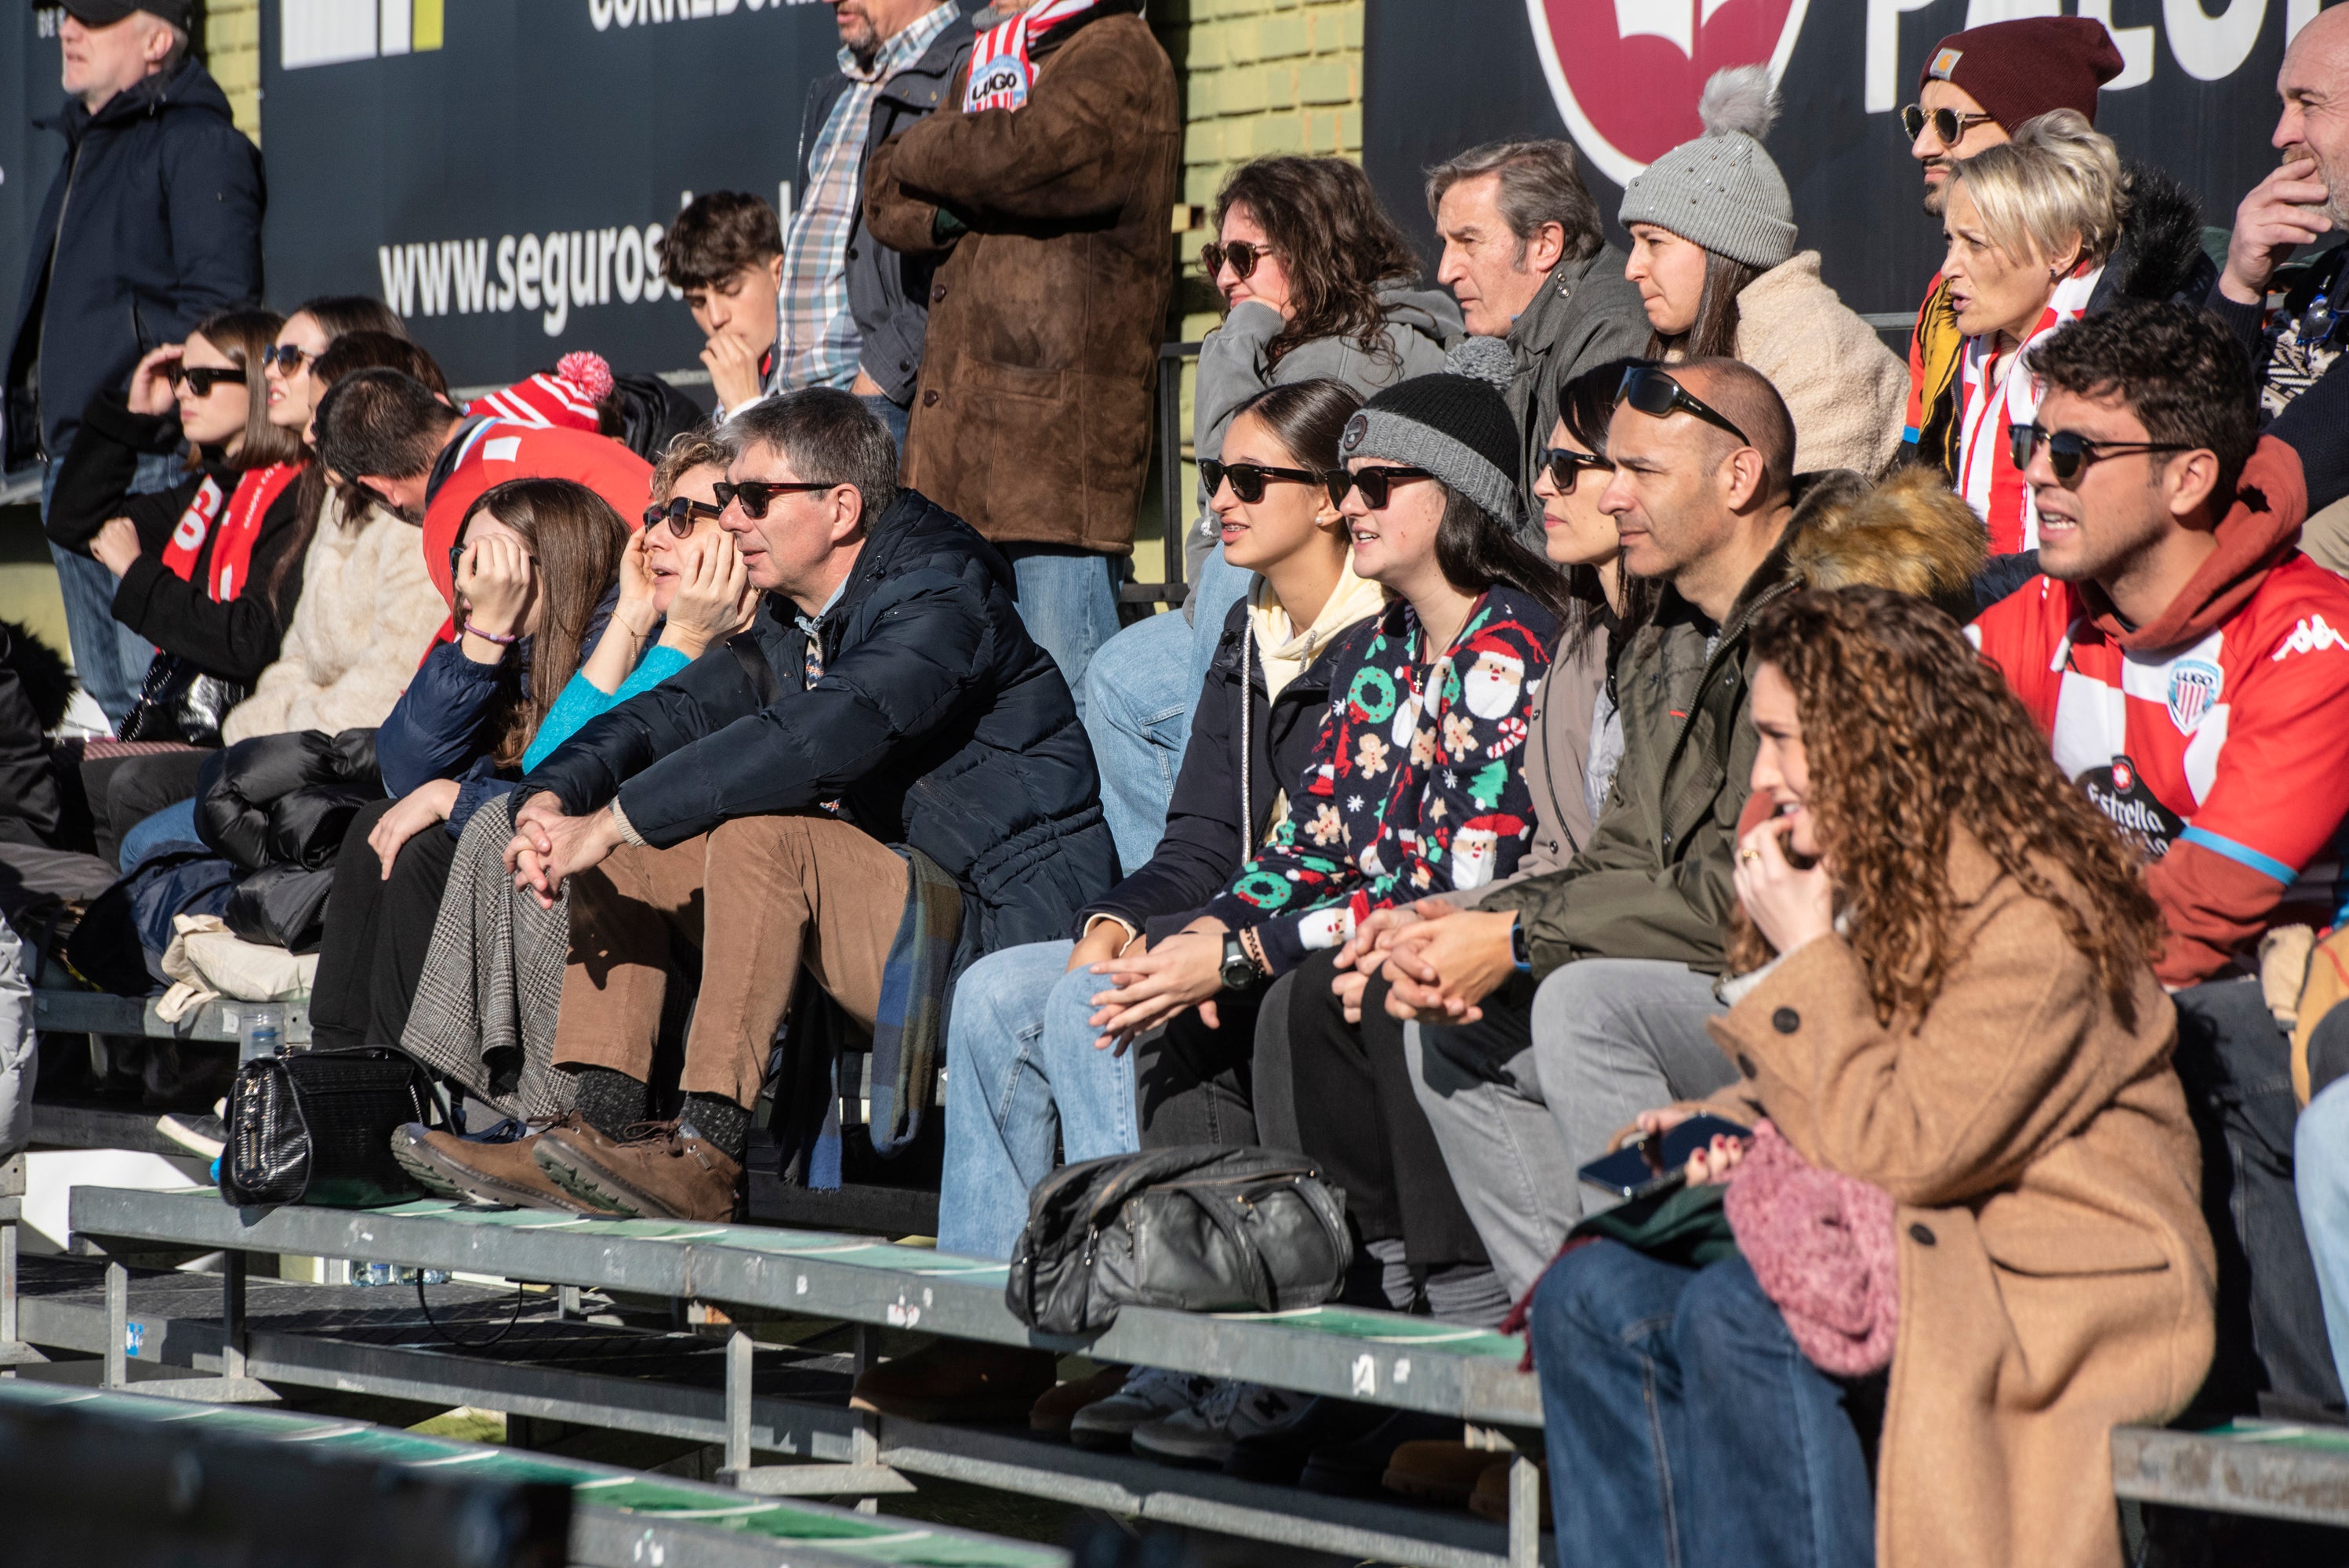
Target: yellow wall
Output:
{"points": [[233, 55]]}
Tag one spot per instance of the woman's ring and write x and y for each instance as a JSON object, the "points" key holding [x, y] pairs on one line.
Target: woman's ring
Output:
{"points": [[1749, 854]]}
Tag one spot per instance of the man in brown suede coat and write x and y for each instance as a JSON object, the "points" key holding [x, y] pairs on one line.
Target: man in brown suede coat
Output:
{"points": [[1032, 415]]}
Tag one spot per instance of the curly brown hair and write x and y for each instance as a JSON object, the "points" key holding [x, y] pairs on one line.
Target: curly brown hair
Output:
{"points": [[1336, 239], [1909, 733]]}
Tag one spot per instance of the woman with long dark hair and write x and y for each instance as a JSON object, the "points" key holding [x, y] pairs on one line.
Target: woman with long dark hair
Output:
{"points": [[1967, 1211], [1316, 281]]}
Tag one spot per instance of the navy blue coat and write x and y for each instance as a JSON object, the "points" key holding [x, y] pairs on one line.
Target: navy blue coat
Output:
{"points": [[938, 723], [162, 229]]}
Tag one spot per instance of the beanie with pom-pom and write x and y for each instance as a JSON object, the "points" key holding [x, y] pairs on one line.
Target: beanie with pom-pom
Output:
{"points": [[1722, 190], [566, 398]]}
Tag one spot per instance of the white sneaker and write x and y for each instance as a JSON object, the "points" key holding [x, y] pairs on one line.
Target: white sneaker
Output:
{"points": [[1203, 1433], [1150, 1393]]}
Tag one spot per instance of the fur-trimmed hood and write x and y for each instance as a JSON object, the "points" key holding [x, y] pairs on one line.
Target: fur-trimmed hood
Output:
{"points": [[42, 673], [1909, 534], [2160, 255]]}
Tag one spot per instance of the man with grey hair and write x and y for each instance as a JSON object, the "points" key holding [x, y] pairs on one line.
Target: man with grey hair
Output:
{"points": [[1525, 255], [163, 229], [764, 804]]}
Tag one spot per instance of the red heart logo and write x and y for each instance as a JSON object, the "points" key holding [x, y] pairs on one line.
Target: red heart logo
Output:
{"points": [[1626, 74]]}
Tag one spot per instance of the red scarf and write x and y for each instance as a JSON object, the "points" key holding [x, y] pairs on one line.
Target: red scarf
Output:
{"points": [[1001, 70], [232, 555]]}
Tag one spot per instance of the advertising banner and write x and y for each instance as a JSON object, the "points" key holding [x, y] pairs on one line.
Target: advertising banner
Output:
{"points": [[502, 171], [28, 156], [1620, 79]]}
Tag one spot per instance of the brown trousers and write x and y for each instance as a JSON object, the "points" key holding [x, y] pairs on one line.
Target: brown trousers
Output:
{"points": [[761, 896]]}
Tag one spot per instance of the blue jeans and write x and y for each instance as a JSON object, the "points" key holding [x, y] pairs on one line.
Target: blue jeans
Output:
{"points": [[173, 826], [1139, 695], [2320, 1172], [109, 658], [1020, 1065], [890, 415], [1068, 597], [1685, 1425]]}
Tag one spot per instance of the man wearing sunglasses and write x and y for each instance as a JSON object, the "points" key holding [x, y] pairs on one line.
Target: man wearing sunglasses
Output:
{"points": [[1976, 87], [888, 693], [2191, 669]]}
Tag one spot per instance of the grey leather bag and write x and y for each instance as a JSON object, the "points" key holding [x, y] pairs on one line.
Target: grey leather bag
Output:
{"points": [[1194, 1229]]}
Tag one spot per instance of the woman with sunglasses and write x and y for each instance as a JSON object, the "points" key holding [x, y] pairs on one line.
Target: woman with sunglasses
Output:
{"points": [[1713, 255], [680, 577], [1316, 281]]}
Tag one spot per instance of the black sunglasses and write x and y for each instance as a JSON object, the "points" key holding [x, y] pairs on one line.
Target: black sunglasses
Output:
{"points": [[1565, 467], [2068, 451], [288, 357], [202, 379], [756, 495], [679, 512], [1658, 396], [1376, 484], [1242, 256], [1947, 123], [1247, 480]]}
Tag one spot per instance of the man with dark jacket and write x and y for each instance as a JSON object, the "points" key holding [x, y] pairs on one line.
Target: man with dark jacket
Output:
{"points": [[1623, 945], [162, 228], [886, 696], [1045, 187], [1525, 255]]}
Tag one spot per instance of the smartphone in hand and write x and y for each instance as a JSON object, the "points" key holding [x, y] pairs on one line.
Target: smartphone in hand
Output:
{"points": [[1657, 1162]]}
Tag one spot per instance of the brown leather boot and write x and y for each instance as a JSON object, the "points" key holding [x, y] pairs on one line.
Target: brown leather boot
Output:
{"points": [[955, 1380], [668, 1175], [455, 1167]]}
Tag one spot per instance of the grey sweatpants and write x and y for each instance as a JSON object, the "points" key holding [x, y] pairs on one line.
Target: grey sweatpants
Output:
{"points": [[1523, 1098]]}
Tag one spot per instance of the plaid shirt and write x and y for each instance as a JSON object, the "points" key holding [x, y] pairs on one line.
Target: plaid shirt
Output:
{"points": [[815, 335]]}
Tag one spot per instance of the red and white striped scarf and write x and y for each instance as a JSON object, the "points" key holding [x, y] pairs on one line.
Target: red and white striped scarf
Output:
{"points": [[232, 555], [1987, 476], [1001, 72]]}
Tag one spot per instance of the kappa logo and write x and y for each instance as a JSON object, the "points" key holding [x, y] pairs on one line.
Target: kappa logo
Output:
{"points": [[1626, 74], [2312, 635], [2194, 687]]}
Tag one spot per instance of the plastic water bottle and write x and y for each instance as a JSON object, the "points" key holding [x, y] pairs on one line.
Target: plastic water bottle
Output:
{"points": [[374, 1273], [261, 1032]]}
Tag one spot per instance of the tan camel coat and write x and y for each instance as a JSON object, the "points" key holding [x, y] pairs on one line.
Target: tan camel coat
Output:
{"points": [[2055, 1276]]}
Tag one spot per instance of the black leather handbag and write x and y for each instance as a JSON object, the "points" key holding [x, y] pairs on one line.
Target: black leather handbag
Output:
{"points": [[180, 702], [1195, 1229], [315, 1127]]}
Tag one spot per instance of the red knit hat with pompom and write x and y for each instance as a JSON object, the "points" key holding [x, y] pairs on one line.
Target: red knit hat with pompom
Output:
{"points": [[567, 397]]}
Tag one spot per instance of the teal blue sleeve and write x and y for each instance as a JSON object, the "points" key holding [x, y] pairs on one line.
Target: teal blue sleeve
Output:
{"points": [[580, 701]]}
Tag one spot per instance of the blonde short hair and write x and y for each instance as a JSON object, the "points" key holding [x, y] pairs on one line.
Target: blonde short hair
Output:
{"points": [[2057, 179]]}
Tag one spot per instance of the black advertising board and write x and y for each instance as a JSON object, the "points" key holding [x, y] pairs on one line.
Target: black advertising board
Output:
{"points": [[501, 169], [30, 90], [1621, 78]]}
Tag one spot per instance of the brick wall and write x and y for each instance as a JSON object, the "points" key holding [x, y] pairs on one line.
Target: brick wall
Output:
{"points": [[233, 55]]}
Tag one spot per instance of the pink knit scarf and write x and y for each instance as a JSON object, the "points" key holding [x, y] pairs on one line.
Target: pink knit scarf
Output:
{"points": [[1822, 1246]]}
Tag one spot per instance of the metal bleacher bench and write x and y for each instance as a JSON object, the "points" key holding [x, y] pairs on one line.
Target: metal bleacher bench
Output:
{"points": [[744, 1272], [619, 1519]]}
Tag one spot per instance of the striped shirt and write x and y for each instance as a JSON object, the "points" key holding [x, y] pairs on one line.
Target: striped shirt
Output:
{"points": [[815, 334], [1995, 395]]}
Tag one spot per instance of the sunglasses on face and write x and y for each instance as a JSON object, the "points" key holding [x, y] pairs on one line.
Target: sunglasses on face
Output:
{"points": [[1247, 480], [1948, 124], [2069, 453], [756, 495], [1241, 255], [287, 358], [1658, 396], [1565, 466], [202, 379], [680, 513], [1377, 485]]}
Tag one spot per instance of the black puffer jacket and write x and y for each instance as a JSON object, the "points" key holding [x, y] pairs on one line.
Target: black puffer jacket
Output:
{"points": [[286, 800], [938, 723], [1200, 852]]}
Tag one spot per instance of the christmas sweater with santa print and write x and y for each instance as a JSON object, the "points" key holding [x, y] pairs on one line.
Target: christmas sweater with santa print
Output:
{"points": [[2217, 736], [1416, 784]]}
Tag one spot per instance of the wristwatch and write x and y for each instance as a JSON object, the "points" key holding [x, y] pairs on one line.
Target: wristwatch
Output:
{"points": [[1518, 954], [1239, 969]]}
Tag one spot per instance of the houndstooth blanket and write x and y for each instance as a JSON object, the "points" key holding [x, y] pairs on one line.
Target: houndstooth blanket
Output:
{"points": [[485, 1009]]}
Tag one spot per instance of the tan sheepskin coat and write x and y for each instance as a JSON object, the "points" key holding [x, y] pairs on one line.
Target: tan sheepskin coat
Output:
{"points": [[2055, 1276], [366, 614], [1847, 391]]}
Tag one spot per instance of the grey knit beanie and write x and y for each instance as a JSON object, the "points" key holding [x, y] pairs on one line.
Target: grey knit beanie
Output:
{"points": [[1455, 424], [1722, 190]]}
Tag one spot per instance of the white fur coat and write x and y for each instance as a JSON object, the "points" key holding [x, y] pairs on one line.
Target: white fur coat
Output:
{"points": [[367, 614]]}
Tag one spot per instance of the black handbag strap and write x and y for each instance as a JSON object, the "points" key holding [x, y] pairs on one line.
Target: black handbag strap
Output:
{"points": [[1222, 1213]]}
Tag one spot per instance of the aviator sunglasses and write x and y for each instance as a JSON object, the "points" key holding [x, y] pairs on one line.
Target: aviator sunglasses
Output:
{"points": [[756, 496], [2069, 453], [680, 513], [1248, 480], [1240, 253], [1947, 123], [201, 378]]}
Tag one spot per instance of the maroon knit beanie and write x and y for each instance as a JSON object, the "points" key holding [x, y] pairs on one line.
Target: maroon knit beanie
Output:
{"points": [[2019, 69]]}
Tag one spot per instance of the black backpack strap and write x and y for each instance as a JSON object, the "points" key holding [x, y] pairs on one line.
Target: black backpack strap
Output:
{"points": [[755, 669]]}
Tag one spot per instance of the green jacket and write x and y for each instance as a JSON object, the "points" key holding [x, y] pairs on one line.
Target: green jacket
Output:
{"points": [[1654, 882]]}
